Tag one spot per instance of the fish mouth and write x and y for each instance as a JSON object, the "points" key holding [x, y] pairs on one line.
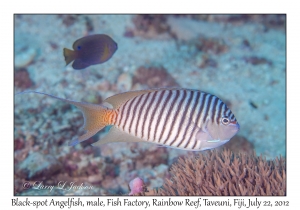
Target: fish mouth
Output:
{"points": [[235, 125]]}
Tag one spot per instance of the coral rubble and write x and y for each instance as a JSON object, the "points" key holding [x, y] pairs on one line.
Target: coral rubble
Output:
{"points": [[148, 26], [22, 79], [154, 77]]}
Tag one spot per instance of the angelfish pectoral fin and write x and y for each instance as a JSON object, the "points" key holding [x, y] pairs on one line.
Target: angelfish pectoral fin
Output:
{"points": [[116, 135], [203, 135]]}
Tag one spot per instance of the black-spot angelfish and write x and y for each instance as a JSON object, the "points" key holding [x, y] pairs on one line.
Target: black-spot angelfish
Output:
{"points": [[90, 50], [172, 117]]}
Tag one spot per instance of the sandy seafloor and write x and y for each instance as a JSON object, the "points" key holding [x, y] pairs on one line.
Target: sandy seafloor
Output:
{"points": [[244, 65]]}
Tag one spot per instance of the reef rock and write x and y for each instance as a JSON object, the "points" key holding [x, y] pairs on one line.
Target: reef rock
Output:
{"points": [[39, 165], [154, 77]]}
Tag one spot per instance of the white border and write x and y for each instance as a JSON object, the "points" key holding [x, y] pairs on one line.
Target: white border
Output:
{"points": [[153, 6]]}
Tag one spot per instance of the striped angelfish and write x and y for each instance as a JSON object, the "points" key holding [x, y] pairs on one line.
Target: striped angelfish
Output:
{"points": [[177, 118]]}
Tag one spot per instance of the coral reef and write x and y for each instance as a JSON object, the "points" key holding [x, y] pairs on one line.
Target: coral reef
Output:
{"points": [[24, 58], [136, 186], [22, 79], [211, 45], [124, 82], [148, 26], [154, 77], [39, 165], [225, 173], [270, 20], [207, 62], [25, 50], [68, 20], [166, 26], [256, 60], [239, 144]]}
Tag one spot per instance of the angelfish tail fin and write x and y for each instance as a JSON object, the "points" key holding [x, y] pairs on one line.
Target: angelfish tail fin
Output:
{"points": [[96, 117], [69, 55]]}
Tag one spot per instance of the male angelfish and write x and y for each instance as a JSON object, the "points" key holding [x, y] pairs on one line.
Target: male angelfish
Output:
{"points": [[90, 50], [173, 117]]}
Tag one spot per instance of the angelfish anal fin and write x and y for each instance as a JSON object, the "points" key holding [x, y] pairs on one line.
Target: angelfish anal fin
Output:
{"points": [[117, 135]]}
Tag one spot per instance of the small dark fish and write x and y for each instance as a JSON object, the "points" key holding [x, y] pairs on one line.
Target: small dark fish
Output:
{"points": [[90, 50], [253, 105]]}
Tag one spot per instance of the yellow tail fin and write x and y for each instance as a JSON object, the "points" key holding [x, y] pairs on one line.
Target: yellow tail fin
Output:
{"points": [[69, 55], [96, 117]]}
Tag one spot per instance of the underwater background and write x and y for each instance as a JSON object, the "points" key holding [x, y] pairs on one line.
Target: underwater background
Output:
{"points": [[239, 58]]}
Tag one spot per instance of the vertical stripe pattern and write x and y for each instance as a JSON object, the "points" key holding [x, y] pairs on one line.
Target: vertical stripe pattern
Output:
{"points": [[171, 117]]}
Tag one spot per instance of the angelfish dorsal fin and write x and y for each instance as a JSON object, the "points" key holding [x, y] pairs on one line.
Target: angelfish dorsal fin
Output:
{"points": [[117, 100], [116, 135]]}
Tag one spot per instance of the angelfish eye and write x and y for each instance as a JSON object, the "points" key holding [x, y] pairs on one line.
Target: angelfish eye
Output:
{"points": [[78, 47], [225, 121]]}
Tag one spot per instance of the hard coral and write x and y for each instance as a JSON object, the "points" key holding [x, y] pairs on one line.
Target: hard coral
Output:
{"points": [[225, 173]]}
